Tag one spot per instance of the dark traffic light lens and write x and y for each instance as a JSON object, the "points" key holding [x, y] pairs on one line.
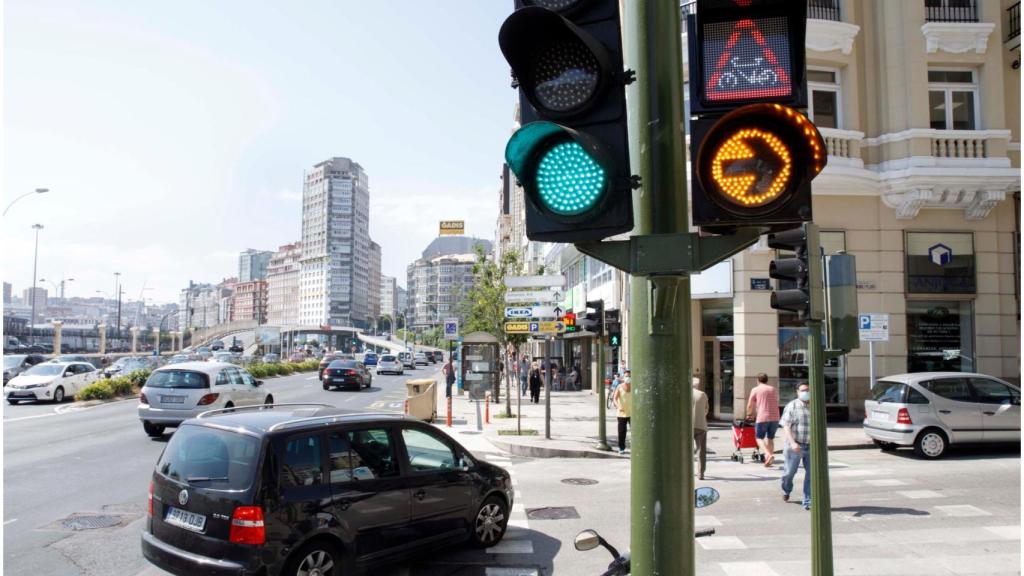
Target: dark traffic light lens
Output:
{"points": [[569, 180], [567, 75], [557, 5]]}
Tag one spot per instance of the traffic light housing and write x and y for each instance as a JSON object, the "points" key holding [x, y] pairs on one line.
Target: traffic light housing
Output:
{"points": [[803, 269], [593, 319], [571, 154], [569, 320], [613, 328]]}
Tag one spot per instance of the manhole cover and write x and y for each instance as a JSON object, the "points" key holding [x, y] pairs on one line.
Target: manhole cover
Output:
{"points": [[552, 513], [90, 522], [579, 481]]}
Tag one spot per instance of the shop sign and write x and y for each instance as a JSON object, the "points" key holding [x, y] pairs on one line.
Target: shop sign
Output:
{"points": [[453, 227]]}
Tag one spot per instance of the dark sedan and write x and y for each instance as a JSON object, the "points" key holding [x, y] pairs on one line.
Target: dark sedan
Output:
{"points": [[346, 373]]}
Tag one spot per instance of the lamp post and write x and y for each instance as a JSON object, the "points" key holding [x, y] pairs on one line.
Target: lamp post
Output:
{"points": [[160, 327], [58, 286], [35, 262], [117, 292], [36, 191]]}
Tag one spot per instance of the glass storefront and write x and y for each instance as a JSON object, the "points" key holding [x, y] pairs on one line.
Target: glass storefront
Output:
{"points": [[940, 336], [718, 355]]}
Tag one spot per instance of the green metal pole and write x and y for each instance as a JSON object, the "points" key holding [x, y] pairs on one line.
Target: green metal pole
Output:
{"points": [[821, 501], [602, 426], [661, 522]]}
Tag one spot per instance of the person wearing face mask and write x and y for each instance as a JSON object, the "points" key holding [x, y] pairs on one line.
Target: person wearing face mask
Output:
{"points": [[623, 400], [796, 423]]}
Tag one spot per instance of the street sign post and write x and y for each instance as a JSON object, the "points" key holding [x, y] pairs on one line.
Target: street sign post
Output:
{"points": [[552, 281], [534, 296], [535, 312], [451, 329], [873, 328], [538, 328]]}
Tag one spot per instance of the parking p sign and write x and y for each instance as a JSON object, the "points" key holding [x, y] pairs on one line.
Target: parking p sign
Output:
{"points": [[873, 327], [451, 329]]}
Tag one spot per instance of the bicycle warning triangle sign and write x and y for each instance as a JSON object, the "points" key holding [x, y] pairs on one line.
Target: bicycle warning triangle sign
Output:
{"points": [[751, 60]]}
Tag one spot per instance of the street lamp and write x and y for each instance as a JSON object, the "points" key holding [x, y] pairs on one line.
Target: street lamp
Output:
{"points": [[117, 291], [36, 191], [60, 284], [35, 262], [160, 328]]}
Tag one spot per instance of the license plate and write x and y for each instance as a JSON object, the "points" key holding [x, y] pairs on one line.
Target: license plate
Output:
{"points": [[880, 415], [341, 379], [185, 519], [172, 399]]}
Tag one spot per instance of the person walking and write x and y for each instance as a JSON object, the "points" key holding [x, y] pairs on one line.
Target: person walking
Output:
{"points": [[700, 427], [535, 384], [763, 409], [524, 373], [449, 377], [611, 390], [796, 423], [623, 399]]}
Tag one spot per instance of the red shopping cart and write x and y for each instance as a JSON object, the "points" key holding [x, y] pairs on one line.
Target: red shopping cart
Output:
{"points": [[743, 437]]}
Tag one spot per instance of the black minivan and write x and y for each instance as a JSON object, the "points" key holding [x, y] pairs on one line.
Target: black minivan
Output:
{"points": [[312, 489]]}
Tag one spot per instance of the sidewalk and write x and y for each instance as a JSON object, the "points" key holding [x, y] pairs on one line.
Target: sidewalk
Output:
{"points": [[574, 427]]}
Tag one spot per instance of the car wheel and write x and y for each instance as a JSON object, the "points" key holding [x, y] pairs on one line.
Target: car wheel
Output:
{"points": [[12, 401], [489, 523], [931, 443], [58, 395], [326, 387], [269, 400], [153, 430], [229, 405], [885, 446], [321, 557]]}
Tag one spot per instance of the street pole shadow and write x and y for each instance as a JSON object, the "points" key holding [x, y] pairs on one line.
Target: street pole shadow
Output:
{"points": [[463, 560], [861, 511]]}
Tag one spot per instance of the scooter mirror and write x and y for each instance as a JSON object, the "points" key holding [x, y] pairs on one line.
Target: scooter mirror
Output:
{"points": [[706, 496], [587, 540]]}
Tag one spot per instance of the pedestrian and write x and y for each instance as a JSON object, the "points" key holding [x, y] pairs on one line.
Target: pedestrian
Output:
{"points": [[449, 378], [700, 427], [796, 423], [535, 383], [524, 373], [623, 400], [574, 377], [616, 380], [763, 408]]}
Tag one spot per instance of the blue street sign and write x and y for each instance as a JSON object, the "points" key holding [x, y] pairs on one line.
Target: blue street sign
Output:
{"points": [[865, 322]]}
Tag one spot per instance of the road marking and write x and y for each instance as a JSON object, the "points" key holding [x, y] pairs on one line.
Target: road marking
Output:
{"points": [[722, 543], [511, 571], [918, 494], [1007, 532], [706, 521], [6, 522], [746, 568], [350, 398], [512, 547], [30, 417], [312, 377], [885, 482], [962, 510]]}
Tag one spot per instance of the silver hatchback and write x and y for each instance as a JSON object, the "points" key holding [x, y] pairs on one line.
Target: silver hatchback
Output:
{"points": [[177, 392], [931, 410]]}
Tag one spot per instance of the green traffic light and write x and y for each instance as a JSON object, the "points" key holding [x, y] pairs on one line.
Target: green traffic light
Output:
{"points": [[569, 180]]}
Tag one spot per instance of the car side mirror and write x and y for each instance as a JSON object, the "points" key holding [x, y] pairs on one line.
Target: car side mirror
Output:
{"points": [[258, 383], [67, 374]]}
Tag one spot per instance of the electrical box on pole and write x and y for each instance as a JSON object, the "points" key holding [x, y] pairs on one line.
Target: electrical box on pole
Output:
{"points": [[842, 330], [571, 153]]}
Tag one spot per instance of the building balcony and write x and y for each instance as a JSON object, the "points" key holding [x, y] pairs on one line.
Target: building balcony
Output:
{"points": [[952, 26], [1013, 27], [951, 10]]}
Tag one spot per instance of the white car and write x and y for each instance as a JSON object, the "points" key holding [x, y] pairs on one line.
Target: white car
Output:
{"points": [[177, 392], [390, 363], [52, 381], [421, 359]]}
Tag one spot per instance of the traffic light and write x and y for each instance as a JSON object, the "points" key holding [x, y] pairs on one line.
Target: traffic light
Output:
{"points": [[593, 321], [571, 154], [803, 270], [754, 152], [569, 319], [613, 327]]}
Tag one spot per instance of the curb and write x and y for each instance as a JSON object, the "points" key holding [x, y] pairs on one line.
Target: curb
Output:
{"points": [[531, 451]]}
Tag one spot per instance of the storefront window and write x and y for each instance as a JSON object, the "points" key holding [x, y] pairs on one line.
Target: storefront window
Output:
{"points": [[940, 336], [717, 319], [940, 263]]}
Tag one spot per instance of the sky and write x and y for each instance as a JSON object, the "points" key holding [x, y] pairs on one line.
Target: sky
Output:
{"points": [[174, 135]]}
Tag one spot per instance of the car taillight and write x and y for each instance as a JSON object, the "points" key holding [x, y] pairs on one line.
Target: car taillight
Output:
{"points": [[350, 372], [247, 525], [208, 399], [903, 417], [149, 506], [142, 398]]}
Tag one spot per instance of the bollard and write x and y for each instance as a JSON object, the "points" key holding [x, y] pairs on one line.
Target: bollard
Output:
{"points": [[449, 422], [487, 408], [406, 406]]}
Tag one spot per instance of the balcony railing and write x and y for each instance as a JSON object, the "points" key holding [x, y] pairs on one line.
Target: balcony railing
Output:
{"points": [[823, 9], [951, 10], [1013, 22], [963, 143]]}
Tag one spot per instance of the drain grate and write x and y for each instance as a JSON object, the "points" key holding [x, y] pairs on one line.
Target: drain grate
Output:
{"points": [[552, 513], [580, 481], [90, 522]]}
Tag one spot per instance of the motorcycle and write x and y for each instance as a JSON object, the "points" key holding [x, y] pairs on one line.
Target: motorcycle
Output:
{"points": [[590, 539]]}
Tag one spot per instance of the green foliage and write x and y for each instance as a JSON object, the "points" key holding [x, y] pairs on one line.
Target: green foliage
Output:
{"points": [[138, 377], [259, 371], [96, 391], [483, 308], [124, 385]]}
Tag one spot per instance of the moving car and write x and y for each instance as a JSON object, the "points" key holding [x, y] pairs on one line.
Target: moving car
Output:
{"points": [[226, 357], [15, 364], [297, 357], [407, 360], [346, 373], [312, 489], [179, 358], [421, 359], [370, 358], [203, 352], [931, 410], [177, 392], [438, 356], [216, 345], [271, 358], [389, 363], [128, 364], [52, 381]]}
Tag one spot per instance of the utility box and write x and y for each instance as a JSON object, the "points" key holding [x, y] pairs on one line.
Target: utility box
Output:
{"points": [[842, 333], [421, 399]]}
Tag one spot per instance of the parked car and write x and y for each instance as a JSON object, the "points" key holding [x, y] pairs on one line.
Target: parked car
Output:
{"points": [[175, 393], [70, 358], [421, 359], [129, 364], [370, 359], [389, 363], [271, 358], [407, 360], [179, 359], [219, 356], [15, 364], [52, 381], [249, 492], [931, 410], [345, 373]]}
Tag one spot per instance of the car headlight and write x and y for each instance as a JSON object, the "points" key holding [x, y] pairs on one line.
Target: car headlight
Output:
{"points": [[43, 385]]}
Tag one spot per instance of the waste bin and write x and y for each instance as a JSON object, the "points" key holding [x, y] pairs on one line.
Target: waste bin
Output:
{"points": [[421, 399]]}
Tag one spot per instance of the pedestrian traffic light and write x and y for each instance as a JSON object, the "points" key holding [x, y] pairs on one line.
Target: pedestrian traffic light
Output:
{"points": [[571, 154], [803, 271]]}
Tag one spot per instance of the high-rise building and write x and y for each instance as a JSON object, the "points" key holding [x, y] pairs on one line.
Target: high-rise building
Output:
{"points": [[249, 301], [374, 284], [283, 285], [199, 306], [41, 300], [388, 284], [252, 265], [401, 301], [334, 282], [440, 279], [7, 292]]}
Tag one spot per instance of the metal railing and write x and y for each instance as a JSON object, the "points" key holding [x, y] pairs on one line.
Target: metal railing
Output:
{"points": [[951, 10], [823, 9], [1013, 22], [687, 8]]}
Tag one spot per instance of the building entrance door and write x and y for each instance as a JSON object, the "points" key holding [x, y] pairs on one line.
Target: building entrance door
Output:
{"points": [[718, 375]]}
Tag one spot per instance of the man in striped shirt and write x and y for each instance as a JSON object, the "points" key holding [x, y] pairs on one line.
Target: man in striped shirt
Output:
{"points": [[796, 422]]}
